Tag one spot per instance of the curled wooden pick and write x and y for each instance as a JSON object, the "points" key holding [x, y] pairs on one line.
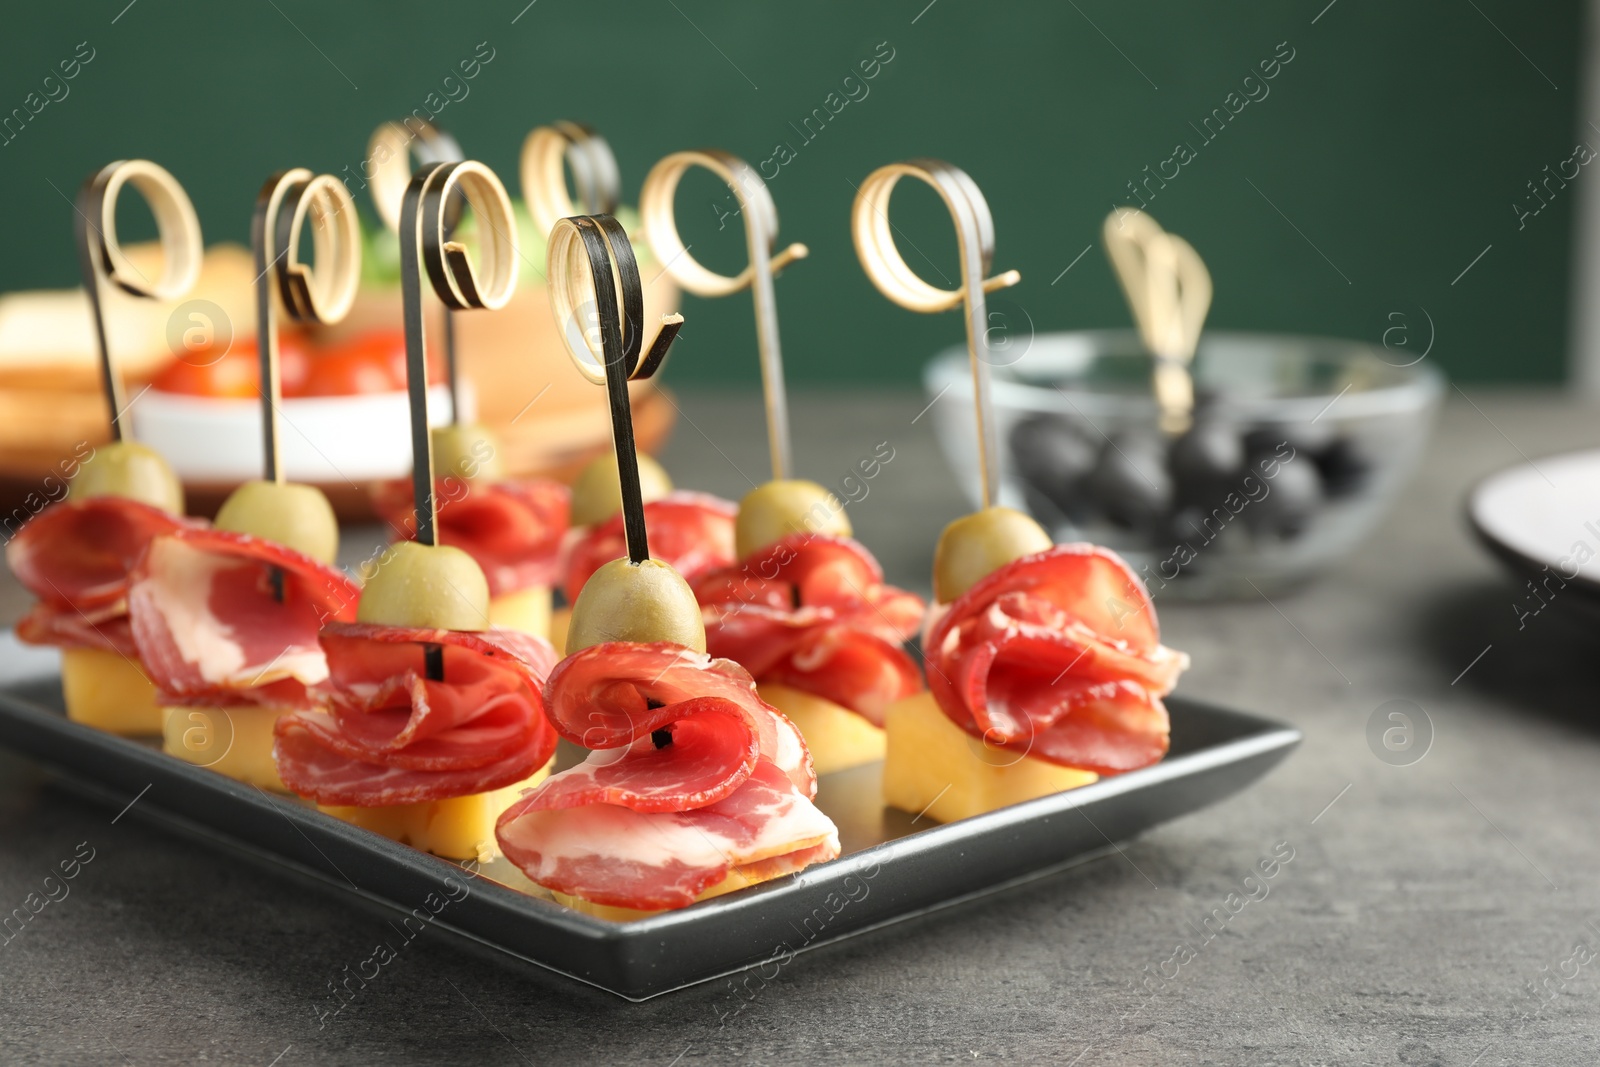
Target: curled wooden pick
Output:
{"points": [[101, 258], [322, 293], [546, 153], [881, 258], [1169, 292], [390, 152], [598, 303], [760, 216], [426, 246]]}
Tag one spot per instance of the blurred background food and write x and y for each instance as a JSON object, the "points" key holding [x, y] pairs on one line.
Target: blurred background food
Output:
{"points": [[1301, 147], [1296, 448], [192, 379]]}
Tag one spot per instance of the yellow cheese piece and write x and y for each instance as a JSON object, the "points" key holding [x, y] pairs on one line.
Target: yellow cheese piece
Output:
{"points": [[560, 620], [458, 828], [837, 737], [937, 770], [107, 690], [235, 741], [736, 879], [527, 610]]}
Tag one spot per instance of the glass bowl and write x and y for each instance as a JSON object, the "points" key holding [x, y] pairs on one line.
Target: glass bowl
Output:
{"points": [[1302, 442]]}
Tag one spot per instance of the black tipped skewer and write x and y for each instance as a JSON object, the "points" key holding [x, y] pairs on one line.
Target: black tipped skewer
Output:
{"points": [[425, 245], [286, 200], [429, 145], [424, 506], [622, 356], [100, 257]]}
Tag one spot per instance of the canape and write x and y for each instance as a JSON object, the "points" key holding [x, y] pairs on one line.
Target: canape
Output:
{"points": [[76, 556], [512, 527], [428, 761], [807, 613], [695, 786], [226, 623], [689, 531], [1045, 671]]}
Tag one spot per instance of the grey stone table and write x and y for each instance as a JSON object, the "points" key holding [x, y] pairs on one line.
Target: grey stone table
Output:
{"points": [[1441, 913]]}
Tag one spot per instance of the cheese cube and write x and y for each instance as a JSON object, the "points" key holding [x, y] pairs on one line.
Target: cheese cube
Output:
{"points": [[560, 620], [837, 737], [939, 771], [235, 741], [527, 610], [458, 828], [109, 691]]}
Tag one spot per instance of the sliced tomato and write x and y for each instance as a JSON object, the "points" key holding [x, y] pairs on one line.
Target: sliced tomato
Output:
{"points": [[233, 373], [348, 372], [374, 361]]}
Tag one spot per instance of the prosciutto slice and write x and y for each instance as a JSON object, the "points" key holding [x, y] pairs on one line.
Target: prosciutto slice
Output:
{"points": [[210, 629], [1058, 655], [813, 612], [75, 556], [512, 528], [691, 531], [393, 736], [692, 776]]}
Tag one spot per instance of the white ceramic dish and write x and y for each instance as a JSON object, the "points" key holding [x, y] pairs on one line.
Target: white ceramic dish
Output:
{"points": [[1543, 519], [322, 439]]}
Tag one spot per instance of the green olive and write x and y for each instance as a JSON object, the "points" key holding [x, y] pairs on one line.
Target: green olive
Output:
{"points": [[597, 491], [466, 450], [625, 601], [431, 587], [781, 508], [298, 516], [132, 470], [977, 545]]}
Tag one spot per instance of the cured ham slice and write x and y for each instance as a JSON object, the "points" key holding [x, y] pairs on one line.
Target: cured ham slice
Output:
{"points": [[812, 612], [693, 777], [1058, 656], [614, 855], [512, 528], [392, 736], [602, 697], [211, 630], [75, 556], [69, 627], [693, 532]]}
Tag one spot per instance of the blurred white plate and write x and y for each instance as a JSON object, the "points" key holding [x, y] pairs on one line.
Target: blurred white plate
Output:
{"points": [[1543, 518], [321, 439]]}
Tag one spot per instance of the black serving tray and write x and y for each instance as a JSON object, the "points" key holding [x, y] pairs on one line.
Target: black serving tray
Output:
{"points": [[894, 865]]}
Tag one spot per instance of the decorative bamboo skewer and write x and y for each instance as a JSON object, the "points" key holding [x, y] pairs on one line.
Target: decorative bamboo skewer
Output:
{"points": [[545, 152], [391, 149], [584, 251], [285, 202], [1169, 291], [101, 258], [896, 280], [425, 244], [761, 234]]}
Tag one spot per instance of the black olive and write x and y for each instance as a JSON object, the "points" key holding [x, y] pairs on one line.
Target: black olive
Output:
{"points": [[1344, 469], [1130, 481], [1206, 461], [1300, 436], [1053, 455], [1293, 490], [661, 738]]}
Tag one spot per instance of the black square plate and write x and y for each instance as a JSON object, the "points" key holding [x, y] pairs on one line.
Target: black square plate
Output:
{"points": [[894, 866]]}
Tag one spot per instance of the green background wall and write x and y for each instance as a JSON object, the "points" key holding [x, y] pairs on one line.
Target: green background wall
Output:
{"points": [[1396, 141]]}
